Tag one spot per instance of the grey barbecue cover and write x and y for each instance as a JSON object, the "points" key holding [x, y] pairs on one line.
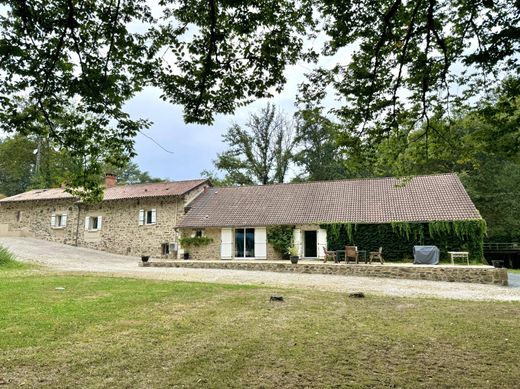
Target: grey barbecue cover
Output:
{"points": [[426, 255]]}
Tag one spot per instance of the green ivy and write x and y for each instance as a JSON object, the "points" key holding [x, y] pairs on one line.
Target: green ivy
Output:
{"points": [[195, 241], [280, 237], [398, 238]]}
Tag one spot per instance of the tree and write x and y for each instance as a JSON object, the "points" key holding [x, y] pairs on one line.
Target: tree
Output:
{"points": [[132, 174], [214, 56], [67, 69], [318, 155], [17, 161], [260, 152], [31, 163], [482, 144]]}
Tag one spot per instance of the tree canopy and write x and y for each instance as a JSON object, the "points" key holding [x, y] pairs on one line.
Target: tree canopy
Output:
{"points": [[74, 64], [34, 163]]}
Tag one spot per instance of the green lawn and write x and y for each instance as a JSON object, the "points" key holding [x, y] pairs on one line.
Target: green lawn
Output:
{"points": [[114, 332]]}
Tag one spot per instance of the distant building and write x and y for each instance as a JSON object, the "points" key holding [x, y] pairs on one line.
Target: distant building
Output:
{"points": [[137, 219]]}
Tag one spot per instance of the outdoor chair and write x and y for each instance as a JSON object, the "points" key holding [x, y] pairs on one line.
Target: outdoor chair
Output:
{"points": [[329, 254], [351, 253], [378, 255]]}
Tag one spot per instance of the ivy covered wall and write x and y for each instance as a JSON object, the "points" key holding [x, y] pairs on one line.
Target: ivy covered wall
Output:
{"points": [[398, 239], [280, 237]]}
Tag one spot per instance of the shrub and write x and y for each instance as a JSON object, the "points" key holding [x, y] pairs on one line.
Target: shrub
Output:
{"points": [[280, 237], [7, 259], [195, 241]]}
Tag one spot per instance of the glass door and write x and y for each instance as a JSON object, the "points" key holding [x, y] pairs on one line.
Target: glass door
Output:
{"points": [[244, 242]]}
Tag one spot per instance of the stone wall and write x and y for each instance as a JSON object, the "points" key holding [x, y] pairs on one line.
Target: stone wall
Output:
{"points": [[272, 254], [212, 250], [470, 274], [35, 219], [120, 232]]}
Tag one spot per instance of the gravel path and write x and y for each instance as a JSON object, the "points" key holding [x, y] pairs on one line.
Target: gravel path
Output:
{"points": [[73, 259]]}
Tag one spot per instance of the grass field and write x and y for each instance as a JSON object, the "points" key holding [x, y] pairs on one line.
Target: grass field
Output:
{"points": [[114, 332]]}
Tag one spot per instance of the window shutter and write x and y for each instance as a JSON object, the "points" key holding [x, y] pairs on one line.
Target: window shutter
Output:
{"points": [[63, 220], [322, 242], [87, 223], [261, 243], [297, 240], [226, 245], [141, 217], [154, 215], [53, 220], [99, 221]]}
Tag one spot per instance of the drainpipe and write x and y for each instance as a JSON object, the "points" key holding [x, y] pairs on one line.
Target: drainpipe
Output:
{"points": [[77, 224]]}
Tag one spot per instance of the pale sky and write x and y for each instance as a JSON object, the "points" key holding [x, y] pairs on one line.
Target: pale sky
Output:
{"points": [[194, 147]]}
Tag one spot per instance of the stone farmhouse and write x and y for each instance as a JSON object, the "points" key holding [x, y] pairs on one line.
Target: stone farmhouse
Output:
{"points": [[134, 220], [232, 222], [237, 219]]}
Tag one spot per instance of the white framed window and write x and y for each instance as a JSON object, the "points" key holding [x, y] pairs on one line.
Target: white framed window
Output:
{"points": [[58, 220], [147, 216], [93, 223]]}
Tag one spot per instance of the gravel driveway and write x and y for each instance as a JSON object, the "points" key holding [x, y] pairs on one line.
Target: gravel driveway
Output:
{"points": [[73, 259]]}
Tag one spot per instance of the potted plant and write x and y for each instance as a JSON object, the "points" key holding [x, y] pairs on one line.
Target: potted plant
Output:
{"points": [[293, 252]]}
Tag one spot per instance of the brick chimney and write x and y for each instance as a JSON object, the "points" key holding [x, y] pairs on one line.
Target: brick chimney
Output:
{"points": [[110, 180]]}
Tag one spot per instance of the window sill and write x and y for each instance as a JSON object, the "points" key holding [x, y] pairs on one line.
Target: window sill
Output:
{"points": [[58, 228]]}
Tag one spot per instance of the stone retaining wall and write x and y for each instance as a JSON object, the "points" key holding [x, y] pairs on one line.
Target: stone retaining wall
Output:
{"points": [[472, 274]]}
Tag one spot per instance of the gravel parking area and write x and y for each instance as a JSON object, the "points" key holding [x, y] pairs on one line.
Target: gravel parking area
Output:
{"points": [[73, 259]]}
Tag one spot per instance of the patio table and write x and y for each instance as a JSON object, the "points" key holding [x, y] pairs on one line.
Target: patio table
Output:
{"points": [[341, 254]]}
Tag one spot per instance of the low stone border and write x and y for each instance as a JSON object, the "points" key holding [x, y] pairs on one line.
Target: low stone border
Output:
{"points": [[472, 274]]}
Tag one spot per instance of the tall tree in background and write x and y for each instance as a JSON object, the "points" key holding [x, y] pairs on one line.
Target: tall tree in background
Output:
{"points": [[482, 144], [131, 174], [17, 161], [318, 154], [31, 163], [259, 152]]}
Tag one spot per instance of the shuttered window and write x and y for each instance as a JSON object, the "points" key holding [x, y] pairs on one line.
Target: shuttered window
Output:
{"points": [[58, 220], [147, 216], [93, 223]]}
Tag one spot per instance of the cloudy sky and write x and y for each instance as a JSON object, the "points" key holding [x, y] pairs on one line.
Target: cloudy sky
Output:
{"points": [[194, 147]]}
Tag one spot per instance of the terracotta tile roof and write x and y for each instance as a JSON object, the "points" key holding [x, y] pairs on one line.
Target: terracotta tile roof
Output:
{"points": [[159, 189], [383, 200]]}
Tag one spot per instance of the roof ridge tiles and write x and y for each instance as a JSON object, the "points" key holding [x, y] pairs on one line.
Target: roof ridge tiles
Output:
{"points": [[337, 180]]}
